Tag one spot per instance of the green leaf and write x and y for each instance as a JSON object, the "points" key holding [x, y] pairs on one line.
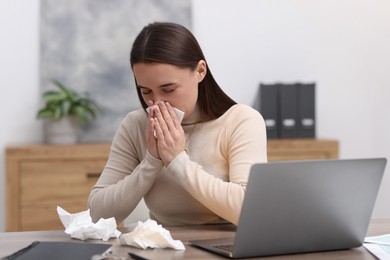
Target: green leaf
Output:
{"points": [[57, 113], [45, 113], [91, 104], [52, 96], [81, 114], [66, 106]]}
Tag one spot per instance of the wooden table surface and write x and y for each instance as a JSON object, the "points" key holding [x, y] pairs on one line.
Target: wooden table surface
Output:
{"points": [[13, 241]]}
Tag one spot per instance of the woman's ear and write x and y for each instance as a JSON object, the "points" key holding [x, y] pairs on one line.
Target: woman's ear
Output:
{"points": [[201, 70]]}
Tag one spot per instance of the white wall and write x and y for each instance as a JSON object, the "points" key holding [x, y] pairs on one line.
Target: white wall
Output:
{"points": [[342, 45], [19, 64]]}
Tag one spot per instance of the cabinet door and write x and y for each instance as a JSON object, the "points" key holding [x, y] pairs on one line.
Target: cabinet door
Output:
{"points": [[47, 184]]}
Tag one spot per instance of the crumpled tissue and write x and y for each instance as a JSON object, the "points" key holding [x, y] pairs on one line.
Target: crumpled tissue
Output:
{"points": [[80, 226], [178, 112], [150, 234]]}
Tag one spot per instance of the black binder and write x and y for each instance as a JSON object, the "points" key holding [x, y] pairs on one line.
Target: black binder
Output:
{"points": [[306, 110], [59, 251], [288, 111], [268, 99]]}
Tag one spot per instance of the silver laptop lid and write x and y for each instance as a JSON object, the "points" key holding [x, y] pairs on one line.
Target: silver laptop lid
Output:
{"points": [[305, 206]]}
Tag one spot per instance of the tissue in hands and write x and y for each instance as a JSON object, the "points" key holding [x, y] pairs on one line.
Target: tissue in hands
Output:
{"points": [[150, 234], [178, 112], [80, 226]]}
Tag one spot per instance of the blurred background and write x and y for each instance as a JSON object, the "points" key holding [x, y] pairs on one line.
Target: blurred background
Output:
{"points": [[343, 46]]}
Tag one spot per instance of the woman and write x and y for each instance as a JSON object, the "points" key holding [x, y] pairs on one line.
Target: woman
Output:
{"points": [[193, 172]]}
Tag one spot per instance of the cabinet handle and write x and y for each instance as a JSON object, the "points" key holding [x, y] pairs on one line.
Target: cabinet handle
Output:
{"points": [[93, 174]]}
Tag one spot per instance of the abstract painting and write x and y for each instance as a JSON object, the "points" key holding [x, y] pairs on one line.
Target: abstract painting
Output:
{"points": [[85, 45]]}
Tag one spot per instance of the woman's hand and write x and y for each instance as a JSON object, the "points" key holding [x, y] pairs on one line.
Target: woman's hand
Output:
{"points": [[150, 133], [169, 132]]}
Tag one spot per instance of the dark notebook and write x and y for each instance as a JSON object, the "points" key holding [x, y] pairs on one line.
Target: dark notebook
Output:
{"points": [[58, 251]]}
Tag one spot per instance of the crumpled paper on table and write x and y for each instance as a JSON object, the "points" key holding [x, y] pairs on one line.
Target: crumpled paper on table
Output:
{"points": [[150, 234], [80, 226]]}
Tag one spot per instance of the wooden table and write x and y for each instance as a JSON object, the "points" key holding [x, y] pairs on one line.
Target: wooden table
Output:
{"points": [[13, 241]]}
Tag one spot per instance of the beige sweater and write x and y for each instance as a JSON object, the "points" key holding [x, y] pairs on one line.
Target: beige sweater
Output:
{"points": [[206, 184]]}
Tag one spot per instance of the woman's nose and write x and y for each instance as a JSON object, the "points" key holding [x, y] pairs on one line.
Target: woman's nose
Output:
{"points": [[156, 99]]}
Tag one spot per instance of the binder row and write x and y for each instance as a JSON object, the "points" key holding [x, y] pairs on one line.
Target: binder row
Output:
{"points": [[288, 109]]}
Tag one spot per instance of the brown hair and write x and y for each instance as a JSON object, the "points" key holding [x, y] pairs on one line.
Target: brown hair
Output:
{"points": [[174, 44]]}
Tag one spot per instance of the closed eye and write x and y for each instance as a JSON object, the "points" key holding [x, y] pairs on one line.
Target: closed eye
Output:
{"points": [[145, 91], [168, 87], [168, 90]]}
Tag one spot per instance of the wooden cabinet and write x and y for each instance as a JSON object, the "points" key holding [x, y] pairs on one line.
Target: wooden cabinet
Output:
{"points": [[301, 149], [42, 177]]}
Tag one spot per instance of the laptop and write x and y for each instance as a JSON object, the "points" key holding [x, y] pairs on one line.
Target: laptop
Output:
{"points": [[303, 206]]}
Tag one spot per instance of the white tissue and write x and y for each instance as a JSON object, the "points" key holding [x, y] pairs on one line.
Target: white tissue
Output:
{"points": [[150, 234], [179, 113], [80, 226]]}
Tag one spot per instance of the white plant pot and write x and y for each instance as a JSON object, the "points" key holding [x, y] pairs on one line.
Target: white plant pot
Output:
{"points": [[63, 131]]}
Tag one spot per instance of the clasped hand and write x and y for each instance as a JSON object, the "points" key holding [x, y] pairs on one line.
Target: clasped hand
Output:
{"points": [[164, 134]]}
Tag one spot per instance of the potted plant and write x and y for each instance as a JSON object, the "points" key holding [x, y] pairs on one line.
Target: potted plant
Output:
{"points": [[65, 109]]}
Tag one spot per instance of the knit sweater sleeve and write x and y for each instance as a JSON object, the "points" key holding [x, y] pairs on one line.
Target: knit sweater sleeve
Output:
{"points": [[244, 143], [128, 175]]}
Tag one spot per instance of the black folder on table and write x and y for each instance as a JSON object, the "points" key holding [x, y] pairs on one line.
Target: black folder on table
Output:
{"points": [[306, 110], [268, 99], [288, 111], [59, 251]]}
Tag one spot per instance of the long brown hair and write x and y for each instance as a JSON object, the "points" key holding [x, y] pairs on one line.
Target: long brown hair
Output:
{"points": [[174, 44]]}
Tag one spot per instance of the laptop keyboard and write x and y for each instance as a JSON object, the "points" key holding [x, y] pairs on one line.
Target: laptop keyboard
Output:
{"points": [[225, 247]]}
